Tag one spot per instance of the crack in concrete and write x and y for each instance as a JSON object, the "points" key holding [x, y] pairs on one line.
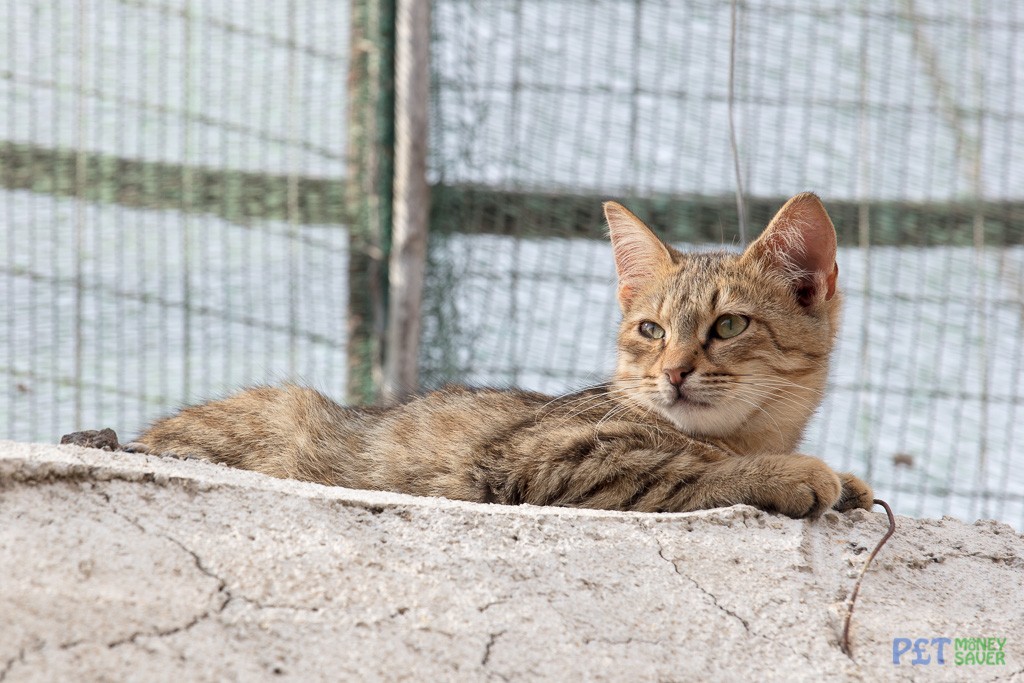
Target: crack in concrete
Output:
{"points": [[491, 639], [626, 641], [222, 588], [1010, 676], [430, 629], [23, 652], [18, 659], [709, 594], [163, 633], [714, 599], [278, 606], [493, 603]]}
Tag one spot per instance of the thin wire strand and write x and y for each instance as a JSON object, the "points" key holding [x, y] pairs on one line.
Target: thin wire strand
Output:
{"points": [[80, 184], [741, 209], [292, 200]]}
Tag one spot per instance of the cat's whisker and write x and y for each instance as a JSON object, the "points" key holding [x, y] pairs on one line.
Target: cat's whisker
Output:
{"points": [[612, 402], [779, 389], [581, 392], [596, 402], [768, 393], [790, 396], [652, 428], [784, 389], [617, 410], [577, 406], [766, 387], [589, 398], [773, 378], [573, 400], [584, 402], [768, 381], [630, 403], [755, 405]]}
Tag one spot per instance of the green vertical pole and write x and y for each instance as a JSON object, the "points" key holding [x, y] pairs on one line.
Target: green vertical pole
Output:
{"points": [[371, 132]]}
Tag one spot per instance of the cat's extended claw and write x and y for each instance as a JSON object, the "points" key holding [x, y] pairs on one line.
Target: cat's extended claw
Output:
{"points": [[856, 494], [103, 439]]}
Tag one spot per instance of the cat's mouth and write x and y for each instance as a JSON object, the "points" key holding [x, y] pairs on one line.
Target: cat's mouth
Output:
{"points": [[686, 399], [695, 410]]}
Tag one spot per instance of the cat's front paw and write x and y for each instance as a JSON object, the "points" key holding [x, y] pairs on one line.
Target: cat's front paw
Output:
{"points": [[856, 493], [802, 486]]}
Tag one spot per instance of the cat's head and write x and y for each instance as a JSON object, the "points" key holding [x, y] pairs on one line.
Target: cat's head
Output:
{"points": [[729, 346]]}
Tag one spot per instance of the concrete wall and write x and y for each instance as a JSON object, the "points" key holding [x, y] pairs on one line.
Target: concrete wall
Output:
{"points": [[127, 567]]}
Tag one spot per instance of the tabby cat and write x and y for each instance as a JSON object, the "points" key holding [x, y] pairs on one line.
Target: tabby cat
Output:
{"points": [[722, 359]]}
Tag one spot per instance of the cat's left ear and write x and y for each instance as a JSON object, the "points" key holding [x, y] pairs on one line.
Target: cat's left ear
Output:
{"points": [[800, 242], [640, 257]]}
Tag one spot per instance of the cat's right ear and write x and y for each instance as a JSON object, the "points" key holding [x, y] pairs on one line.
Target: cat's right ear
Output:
{"points": [[640, 256]]}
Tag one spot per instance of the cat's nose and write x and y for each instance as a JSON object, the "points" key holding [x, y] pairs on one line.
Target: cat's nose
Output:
{"points": [[676, 376]]}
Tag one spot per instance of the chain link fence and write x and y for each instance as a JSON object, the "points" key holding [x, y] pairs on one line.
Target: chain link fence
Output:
{"points": [[180, 218]]}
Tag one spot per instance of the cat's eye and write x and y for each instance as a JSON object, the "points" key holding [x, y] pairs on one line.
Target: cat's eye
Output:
{"points": [[729, 325], [652, 330]]}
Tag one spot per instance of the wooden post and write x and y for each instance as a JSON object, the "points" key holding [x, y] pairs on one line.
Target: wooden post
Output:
{"points": [[411, 198], [368, 191]]}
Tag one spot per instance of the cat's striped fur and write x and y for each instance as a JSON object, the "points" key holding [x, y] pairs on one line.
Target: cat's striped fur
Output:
{"points": [[691, 420]]}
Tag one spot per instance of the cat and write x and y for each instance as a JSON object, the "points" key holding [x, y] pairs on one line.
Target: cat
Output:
{"points": [[722, 359]]}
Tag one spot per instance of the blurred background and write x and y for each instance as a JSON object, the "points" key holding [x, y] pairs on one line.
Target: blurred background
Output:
{"points": [[196, 195]]}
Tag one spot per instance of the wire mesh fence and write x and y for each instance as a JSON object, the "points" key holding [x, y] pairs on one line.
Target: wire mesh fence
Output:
{"points": [[152, 254], [174, 203]]}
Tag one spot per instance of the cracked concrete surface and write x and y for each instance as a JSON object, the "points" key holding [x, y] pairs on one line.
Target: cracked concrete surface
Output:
{"points": [[129, 567]]}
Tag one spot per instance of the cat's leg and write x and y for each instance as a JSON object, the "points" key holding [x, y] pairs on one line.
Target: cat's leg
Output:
{"points": [[625, 466], [791, 483], [794, 485]]}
